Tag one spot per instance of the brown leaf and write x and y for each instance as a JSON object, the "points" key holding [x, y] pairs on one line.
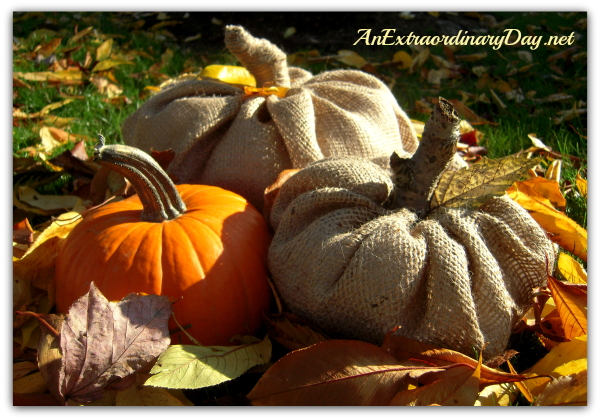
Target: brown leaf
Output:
{"points": [[34, 399], [49, 355], [334, 372], [404, 348], [458, 385], [571, 303], [104, 342], [292, 332]]}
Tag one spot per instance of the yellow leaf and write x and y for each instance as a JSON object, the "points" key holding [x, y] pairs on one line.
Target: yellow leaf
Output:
{"points": [[109, 64], [553, 172], [563, 230], [21, 369], [419, 127], [146, 396], [571, 270], [571, 304], [80, 34], [46, 110], [544, 190], [103, 51], [351, 58], [403, 58], [558, 356], [522, 387], [234, 75], [497, 395], [581, 185], [49, 47], [568, 390]]}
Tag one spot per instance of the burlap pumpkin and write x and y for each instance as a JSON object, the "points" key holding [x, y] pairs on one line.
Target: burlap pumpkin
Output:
{"points": [[344, 260], [241, 143]]}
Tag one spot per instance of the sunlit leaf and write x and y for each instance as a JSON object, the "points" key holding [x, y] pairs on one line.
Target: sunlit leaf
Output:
{"points": [[110, 63], [334, 372], [581, 185], [420, 59], [475, 185], [521, 385], [229, 74], [191, 367], [569, 390], [497, 395], [563, 230], [30, 384], [571, 304], [104, 50], [46, 202], [80, 34], [541, 189], [571, 270], [351, 58]]}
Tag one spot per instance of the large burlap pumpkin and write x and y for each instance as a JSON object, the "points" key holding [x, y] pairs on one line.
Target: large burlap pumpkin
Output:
{"points": [[346, 260], [241, 143]]}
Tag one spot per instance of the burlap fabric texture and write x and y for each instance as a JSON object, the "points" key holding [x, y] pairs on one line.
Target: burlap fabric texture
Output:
{"points": [[222, 137], [341, 259]]}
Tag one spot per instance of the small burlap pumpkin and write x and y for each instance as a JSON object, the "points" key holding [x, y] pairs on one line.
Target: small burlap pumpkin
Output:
{"points": [[223, 137], [345, 259]]}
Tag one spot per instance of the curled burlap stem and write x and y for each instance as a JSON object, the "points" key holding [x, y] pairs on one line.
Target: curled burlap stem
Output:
{"points": [[266, 62], [416, 178]]}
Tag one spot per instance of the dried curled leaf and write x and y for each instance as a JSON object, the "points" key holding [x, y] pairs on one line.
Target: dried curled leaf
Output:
{"points": [[292, 332], [104, 342], [191, 367], [472, 187], [567, 390]]}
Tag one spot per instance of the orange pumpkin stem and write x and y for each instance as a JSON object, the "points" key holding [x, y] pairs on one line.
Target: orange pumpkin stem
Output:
{"points": [[155, 189]]}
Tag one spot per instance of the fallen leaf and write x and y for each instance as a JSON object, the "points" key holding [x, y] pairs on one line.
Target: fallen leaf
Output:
{"points": [[109, 64], [560, 355], [104, 50], [522, 387], [30, 384], [351, 58], [568, 390], [52, 203], [139, 395], [497, 395], [471, 57], [565, 54], [571, 303], [543, 190], [333, 372], [419, 59], [34, 399], [289, 32], [403, 348], [456, 386], [292, 332], [485, 179], [562, 230], [104, 342], [21, 369], [192, 367], [402, 59], [49, 356], [80, 34], [581, 185], [571, 270]]}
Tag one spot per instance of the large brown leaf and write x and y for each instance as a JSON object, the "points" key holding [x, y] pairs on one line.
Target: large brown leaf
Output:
{"points": [[334, 372]]}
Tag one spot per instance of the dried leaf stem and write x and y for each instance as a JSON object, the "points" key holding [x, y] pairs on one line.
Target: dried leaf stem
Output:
{"points": [[158, 194], [417, 177]]}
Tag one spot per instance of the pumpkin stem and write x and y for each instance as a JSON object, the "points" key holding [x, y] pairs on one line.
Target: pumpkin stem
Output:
{"points": [[158, 194], [416, 178]]}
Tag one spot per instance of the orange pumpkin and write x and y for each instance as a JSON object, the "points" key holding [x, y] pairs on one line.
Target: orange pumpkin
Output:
{"points": [[202, 243]]}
